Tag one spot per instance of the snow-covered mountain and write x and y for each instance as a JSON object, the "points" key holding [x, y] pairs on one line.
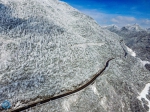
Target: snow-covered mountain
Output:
{"points": [[133, 28], [48, 48], [148, 29], [129, 28], [135, 37]]}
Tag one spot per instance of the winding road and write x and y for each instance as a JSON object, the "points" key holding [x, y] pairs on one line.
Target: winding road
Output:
{"points": [[42, 101]]}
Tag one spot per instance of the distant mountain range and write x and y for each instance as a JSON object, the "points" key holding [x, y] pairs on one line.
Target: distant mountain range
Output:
{"points": [[135, 37]]}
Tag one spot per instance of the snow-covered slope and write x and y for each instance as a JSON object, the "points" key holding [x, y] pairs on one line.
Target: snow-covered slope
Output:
{"points": [[48, 48], [112, 28], [134, 27], [135, 37], [148, 29]]}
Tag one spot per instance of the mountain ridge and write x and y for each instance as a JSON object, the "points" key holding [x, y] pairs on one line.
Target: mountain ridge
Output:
{"points": [[48, 48], [135, 37]]}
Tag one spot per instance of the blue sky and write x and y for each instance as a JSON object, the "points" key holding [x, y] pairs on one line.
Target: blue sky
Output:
{"points": [[118, 12]]}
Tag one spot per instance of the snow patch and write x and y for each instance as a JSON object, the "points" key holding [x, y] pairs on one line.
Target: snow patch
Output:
{"points": [[94, 89], [67, 102], [144, 62], [131, 51], [143, 95]]}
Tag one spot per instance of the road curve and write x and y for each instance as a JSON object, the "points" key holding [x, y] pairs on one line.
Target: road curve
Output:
{"points": [[33, 104]]}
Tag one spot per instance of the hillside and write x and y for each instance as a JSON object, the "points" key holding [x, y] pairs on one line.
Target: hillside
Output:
{"points": [[48, 48], [136, 38]]}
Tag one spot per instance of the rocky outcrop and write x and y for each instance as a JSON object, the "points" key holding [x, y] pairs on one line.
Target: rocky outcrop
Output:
{"points": [[48, 48]]}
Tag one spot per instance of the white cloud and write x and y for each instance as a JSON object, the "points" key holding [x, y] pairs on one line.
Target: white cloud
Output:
{"points": [[146, 21], [124, 18], [107, 19], [114, 20]]}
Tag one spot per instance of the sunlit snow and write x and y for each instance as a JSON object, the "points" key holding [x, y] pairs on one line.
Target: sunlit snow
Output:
{"points": [[94, 89], [144, 93], [145, 62], [66, 104], [131, 52]]}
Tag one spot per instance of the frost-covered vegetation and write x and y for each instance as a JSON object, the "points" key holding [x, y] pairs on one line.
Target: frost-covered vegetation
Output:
{"points": [[48, 47]]}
